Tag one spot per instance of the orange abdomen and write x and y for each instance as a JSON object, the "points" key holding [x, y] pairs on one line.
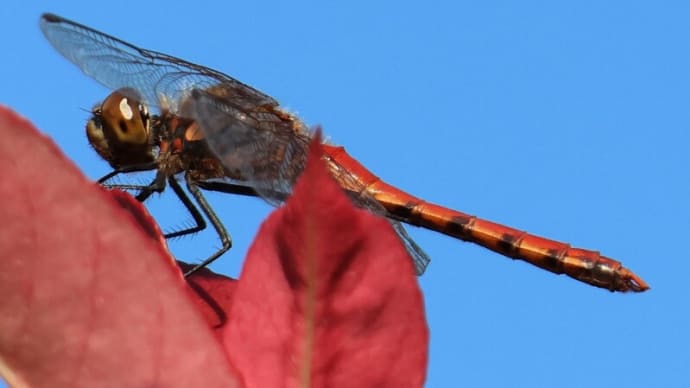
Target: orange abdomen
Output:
{"points": [[560, 258]]}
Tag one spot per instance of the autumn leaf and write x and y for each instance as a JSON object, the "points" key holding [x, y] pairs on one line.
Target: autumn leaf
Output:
{"points": [[328, 297]]}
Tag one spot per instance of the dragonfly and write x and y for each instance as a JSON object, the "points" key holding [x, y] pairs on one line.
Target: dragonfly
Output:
{"points": [[218, 134]]}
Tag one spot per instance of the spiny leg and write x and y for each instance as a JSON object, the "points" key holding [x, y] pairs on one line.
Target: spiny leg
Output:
{"points": [[125, 170], [145, 191], [191, 208], [215, 222]]}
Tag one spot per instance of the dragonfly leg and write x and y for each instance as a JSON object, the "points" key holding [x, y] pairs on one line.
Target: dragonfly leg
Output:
{"points": [[125, 170], [213, 219], [191, 208], [145, 191], [156, 186], [228, 188]]}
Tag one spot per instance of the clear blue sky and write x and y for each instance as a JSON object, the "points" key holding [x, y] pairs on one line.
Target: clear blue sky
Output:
{"points": [[568, 121]]}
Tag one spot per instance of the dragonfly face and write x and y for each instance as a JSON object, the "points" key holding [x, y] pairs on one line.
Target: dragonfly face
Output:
{"points": [[129, 138], [120, 130]]}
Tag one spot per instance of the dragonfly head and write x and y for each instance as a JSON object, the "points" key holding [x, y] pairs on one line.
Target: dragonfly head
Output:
{"points": [[120, 130]]}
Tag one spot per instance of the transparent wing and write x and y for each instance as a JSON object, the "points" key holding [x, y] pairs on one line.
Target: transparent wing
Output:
{"points": [[268, 152], [117, 64], [419, 258]]}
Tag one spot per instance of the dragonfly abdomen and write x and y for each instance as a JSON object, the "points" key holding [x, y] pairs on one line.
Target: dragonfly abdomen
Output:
{"points": [[554, 256], [557, 257]]}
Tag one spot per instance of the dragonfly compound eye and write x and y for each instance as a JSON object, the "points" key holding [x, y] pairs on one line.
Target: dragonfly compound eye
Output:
{"points": [[119, 130], [123, 120]]}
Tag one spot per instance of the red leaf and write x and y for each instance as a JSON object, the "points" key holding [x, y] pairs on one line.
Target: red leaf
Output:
{"points": [[89, 297], [327, 297]]}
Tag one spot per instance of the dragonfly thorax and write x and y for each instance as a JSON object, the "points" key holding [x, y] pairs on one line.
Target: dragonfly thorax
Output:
{"points": [[120, 130]]}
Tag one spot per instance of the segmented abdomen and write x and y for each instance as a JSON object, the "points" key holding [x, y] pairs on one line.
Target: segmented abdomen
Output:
{"points": [[560, 258]]}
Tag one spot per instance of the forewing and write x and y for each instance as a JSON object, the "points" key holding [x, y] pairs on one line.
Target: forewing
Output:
{"points": [[117, 64]]}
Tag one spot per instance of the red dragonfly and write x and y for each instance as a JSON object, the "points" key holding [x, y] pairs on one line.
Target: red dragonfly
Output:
{"points": [[223, 135]]}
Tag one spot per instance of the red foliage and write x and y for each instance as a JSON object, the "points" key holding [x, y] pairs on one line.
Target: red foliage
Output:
{"points": [[91, 297]]}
